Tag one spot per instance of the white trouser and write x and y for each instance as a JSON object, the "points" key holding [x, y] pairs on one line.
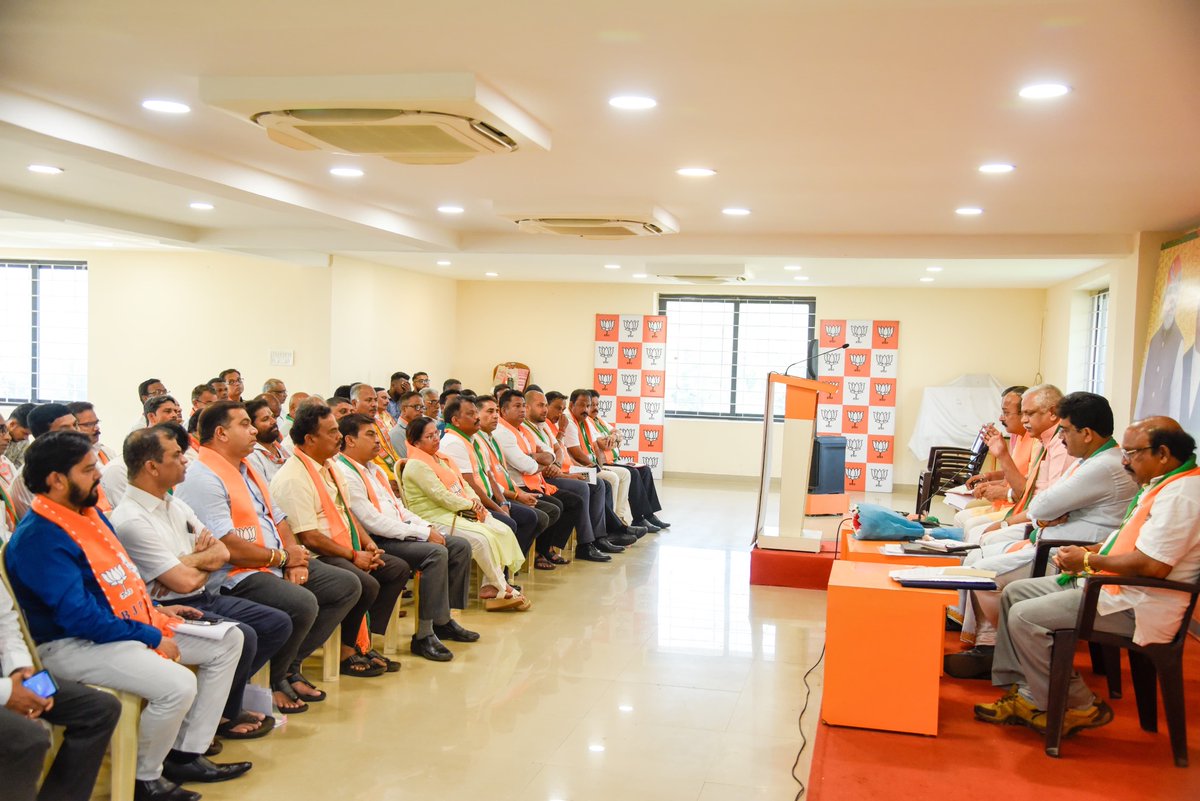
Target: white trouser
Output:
{"points": [[974, 515], [183, 708], [493, 547], [618, 480]]}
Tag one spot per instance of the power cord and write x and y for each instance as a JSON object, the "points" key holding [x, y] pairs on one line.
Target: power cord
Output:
{"points": [[800, 724]]}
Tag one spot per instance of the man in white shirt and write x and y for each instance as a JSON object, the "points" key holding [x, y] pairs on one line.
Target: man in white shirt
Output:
{"points": [[150, 388], [314, 499], [114, 475], [444, 562], [1160, 538], [268, 455], [88, 422], [175, 555], [89, 717], [285, 422]]}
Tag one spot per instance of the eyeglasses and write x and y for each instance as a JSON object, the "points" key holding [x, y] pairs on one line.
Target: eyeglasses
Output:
{"points": [[1128, 454], [155, 393]]}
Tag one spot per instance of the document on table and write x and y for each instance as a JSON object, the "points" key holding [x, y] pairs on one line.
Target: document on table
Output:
{"points": [[898, 549], [951, 578], [215, 631], [958, 497]]}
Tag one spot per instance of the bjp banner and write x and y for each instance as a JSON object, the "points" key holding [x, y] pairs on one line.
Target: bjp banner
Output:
{"points": [[629, 370], [863, 410]]}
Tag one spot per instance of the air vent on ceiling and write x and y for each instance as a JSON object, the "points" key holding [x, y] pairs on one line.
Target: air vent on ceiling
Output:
{"points": [[424, 118], [701, 273], [626, 224]]}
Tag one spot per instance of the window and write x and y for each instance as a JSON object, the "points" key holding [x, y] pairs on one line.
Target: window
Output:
{"points": [[1098, 342], [720, 349], [43, 331]]}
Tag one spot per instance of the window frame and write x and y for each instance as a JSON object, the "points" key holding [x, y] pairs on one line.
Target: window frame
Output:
{"points": [[738, 301], [36, 266], [1097, 340]]}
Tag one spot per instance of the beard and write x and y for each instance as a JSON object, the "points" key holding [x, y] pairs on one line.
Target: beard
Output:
{"points": [[77, 496]]}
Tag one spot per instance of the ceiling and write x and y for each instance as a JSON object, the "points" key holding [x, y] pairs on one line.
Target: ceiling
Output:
{"points": [[852, 130]]}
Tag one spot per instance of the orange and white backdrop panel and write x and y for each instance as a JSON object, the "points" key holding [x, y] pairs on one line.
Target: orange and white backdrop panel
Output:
{"points": [[863, 408], [630, 375]]}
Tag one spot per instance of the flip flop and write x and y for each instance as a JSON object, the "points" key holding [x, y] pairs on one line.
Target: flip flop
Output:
{"points": [[542, 563], [558, 559], [300, 678], [391, 665], [226, 729], [361, 666], [290, 694]]}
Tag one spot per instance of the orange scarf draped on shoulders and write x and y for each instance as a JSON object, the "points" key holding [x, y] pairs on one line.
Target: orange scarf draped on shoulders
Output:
{"points": [[241, 506]]}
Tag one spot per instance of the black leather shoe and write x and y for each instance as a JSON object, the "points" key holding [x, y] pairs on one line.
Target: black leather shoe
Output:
{"points": [[453, 631], [608, 546], [161, 789], [201, 769], [637, 531], [431, 648], [622, 540], [973, 664], [215, 747], [590, 553], [654, 519]]}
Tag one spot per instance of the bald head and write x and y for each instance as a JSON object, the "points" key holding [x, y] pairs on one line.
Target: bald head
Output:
{"points": [[1155, 446]]}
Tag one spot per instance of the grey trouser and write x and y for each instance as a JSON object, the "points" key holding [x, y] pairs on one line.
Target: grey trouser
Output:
{"points": [[1030, 611], [445, 573], [182, 708]]}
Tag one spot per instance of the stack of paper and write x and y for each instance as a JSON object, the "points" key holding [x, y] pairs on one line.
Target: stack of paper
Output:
{"points": [[958, 497], [951, 578]]}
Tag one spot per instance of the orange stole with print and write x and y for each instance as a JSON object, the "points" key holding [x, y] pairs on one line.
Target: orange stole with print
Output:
{"points": [[535, 481], [246, 524], [115, 572], [339, 524], [450, 477]]}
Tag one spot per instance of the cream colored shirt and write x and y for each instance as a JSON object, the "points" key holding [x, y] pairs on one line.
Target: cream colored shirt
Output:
{"points": [[293, 491]]}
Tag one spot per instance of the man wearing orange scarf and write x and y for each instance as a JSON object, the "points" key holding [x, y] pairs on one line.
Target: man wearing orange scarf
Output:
{"points": [[1159, 538], [93, 621]]}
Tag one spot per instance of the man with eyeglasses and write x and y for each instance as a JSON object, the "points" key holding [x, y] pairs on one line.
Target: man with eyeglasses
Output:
{"points": [[114, 477], [1084, 505], [410, 408], [991, 488], [233, 379], [275, 388], [88, 422], [1159, 538], [150, 388]]}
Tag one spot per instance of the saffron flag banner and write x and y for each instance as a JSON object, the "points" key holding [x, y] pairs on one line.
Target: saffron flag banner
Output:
{"points": [[863, 408], [629, 372]]}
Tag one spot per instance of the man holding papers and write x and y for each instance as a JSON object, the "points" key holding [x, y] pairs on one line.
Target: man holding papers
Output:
{"points": [[1158, 538], [1085, 504]]}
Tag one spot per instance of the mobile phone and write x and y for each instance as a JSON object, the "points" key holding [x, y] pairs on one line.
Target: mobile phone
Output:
{"points": [[200, 622], [41, 683]]}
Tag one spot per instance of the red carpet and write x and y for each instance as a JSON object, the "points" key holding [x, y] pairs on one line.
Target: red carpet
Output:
{"points": [[983, 762]]}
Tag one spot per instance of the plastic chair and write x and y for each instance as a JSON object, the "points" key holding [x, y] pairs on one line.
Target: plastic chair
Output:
{"points": [[946, 467], [1146, 662]]}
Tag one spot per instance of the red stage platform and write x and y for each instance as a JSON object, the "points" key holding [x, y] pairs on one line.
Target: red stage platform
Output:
{"points": [[804, 571]]}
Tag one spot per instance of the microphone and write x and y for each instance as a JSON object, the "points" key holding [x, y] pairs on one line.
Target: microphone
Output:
{"points": [[815, 356]]}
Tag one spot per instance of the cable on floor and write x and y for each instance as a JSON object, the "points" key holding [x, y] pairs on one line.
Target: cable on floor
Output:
{"points": [[800, 724]]}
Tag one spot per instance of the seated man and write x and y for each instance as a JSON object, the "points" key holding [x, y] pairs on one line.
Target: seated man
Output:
{"points": [[285, 422], [366, 403], [340, 406], [88, 422], [276, 390], [1085, 504], [312, 494], [398, 385], [420, 382], [175, 554], [8, 474], [462, 424], [268, 455], [991, 488], [94, 622], [433, 409], [444, 562], [410, 408], [18, 429], [220, 387], [150, 388], [43, 419], [1160, 538], [266, 564], [114, 476], [88, 717], [233, 379], [643, 494]]}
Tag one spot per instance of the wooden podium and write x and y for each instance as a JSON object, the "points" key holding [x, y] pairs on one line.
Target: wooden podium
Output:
{"points": [[799, 428]]}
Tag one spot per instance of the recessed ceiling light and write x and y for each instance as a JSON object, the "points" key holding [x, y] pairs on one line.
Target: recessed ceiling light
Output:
{"points": [[996, 168], [612, 266], [45, 169], [596, 748], [625, 708], [104, 244], [638, 275], [792, 267], [346, 172], [928, 279], [933, 268], [200, 205], [1044, 91], [632, 102], [492, 275], [695, 172], [450, 209], [166, 106], [735, 212], [968, 211], [443, 263], [799, 277]]}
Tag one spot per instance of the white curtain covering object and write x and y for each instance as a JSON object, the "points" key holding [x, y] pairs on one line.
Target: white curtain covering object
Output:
{"points": [[951, 415]]}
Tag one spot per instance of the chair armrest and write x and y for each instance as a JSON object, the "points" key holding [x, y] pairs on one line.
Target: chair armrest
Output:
{"points": [[1091, 596], [1041, 558]]}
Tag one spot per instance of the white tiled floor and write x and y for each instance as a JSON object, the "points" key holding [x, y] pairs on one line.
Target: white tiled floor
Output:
{"points": [[663, 675]]}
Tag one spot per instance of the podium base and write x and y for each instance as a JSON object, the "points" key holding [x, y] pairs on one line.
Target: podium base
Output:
{"points": [[773, 540], [804, 571]]}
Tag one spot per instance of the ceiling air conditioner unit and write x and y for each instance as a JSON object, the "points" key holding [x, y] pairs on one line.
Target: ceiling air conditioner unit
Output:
{"points": [[651, 222], [700, 273], [437, 118]]}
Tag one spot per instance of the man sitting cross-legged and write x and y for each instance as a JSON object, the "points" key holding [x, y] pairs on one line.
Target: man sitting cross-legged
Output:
{"points": [[1159, 538], [312, 494], [93, 620], [266, 564], [175, 554], [444, 562]]}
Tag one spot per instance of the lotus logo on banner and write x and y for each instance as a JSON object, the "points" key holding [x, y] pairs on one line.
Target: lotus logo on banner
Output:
{"points": [[650, 461], [606, 407], [859, 331], [855, 417], [883, 390], [881, 416], [655, 328], [829, 417], [886, 332], [606, 352], [628, 408], [832, 360], [879, 474], [884, 360], [607, 324], [632, 326], [604, 379], [832, 330], [654, 354], [856, 388], [858, 360]]}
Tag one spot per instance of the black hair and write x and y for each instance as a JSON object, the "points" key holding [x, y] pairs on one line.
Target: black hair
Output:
{"points": [[79, 407], [507, 397], [399, 375], [306, 420], [534, 388], [420, 372], [144, 387], [454, 406], [1087, 410], [1020, 389], [152, 404], [447, 395], [416, 429], [449, 382], [200, 389], [595, 394], [499, 388], [407, 396], [21, 414], [42, 416], [217, 415], [253, 407], [224, 374], [337, 400], [351, 424], [554, 395], [343, 391], [1180, 443], [144, 445], [576, 394], [53, 452]]}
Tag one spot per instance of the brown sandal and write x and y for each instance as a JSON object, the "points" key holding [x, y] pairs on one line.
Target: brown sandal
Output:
{"points": [[542, 563]]}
